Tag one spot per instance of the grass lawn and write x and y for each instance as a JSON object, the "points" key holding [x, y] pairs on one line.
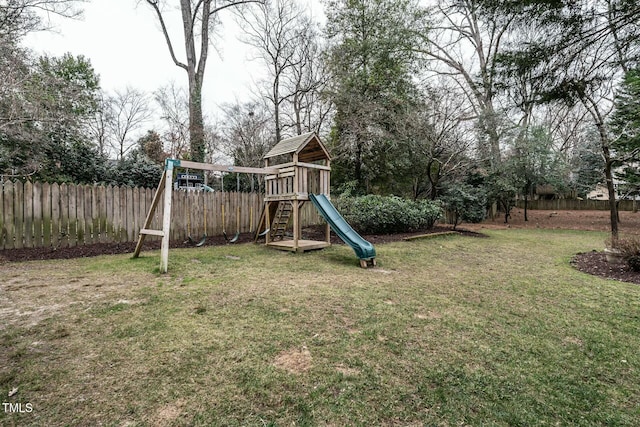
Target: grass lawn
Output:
{"points": [[447, 331]]}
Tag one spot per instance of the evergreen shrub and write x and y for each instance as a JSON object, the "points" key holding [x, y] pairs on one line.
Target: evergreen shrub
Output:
{"points": [[388, 214]]}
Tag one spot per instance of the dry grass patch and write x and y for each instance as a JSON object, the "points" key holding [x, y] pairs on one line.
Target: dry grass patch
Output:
{"points": [[294, 361]]}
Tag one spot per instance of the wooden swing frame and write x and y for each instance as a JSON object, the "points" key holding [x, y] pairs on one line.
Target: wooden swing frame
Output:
{"points": [[286, 182]]}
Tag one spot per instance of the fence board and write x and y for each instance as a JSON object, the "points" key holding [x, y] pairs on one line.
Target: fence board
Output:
{"points": [[124, 220], [80, 220], [28, 214], [125, 205], [181, 211], [88, 214], [115, 214], [18, 213], [216, 223], [64, 216], [129, 214], [100, 213], [8, 228], [136, 211], [111, 225], [55, 215], [46, 215], [73, 215], [37, 215]]}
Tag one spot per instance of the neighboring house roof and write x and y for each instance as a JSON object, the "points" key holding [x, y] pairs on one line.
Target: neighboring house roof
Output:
{"points": [[308, 146]]}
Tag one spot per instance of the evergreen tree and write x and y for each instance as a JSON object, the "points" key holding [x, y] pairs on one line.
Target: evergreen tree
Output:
{"points": [[371, 60], [625, 125]]}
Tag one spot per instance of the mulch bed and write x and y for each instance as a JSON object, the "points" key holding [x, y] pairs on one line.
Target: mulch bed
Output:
{"points": [[596, 263], [311, 233]]}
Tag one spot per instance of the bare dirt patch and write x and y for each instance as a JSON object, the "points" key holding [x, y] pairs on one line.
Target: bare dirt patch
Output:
{"points": [[295, 361], [564, 220], [169, 413]]}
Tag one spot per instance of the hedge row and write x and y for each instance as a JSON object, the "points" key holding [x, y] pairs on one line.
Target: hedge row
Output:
{"points": [[379, 214]]}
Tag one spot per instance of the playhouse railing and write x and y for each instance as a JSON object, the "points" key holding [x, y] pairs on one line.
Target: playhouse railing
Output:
{"points": [[296, 182]]}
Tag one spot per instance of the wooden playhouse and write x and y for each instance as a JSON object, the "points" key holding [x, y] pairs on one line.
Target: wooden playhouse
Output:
{"points": [[304, 168]]}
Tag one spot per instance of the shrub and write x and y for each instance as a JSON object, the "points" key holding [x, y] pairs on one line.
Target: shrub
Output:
{"points": [[465, 203], [634, 262], [390, 214], [630, 251]]}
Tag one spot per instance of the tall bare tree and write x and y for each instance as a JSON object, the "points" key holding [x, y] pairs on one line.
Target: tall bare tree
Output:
{"points": [[19, 17], [440, 135], [199, 19], [98, 125], [128, 111], [246, 133], [174, 106], [274, 30], [308, 110], [464, 45]]}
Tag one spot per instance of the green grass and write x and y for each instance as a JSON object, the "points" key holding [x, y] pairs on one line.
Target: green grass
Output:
{"points": [[447, 331]]}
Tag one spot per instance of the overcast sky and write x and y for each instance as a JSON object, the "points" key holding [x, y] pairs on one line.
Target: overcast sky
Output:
{"points": [[125, 45]]}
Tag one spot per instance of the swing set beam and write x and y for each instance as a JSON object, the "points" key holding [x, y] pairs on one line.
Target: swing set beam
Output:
{"points": [[223, 168], [165, 186]]}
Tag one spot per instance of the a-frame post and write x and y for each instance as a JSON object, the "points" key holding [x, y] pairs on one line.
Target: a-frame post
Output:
{"points": [[166, 217], [328, 193], [267, 208], [296, 203], [147, 222]]}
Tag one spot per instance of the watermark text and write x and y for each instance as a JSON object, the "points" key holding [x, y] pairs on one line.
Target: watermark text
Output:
{"points": [[17, 408]]}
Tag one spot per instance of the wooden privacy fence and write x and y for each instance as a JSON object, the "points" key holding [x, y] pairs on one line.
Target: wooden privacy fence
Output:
{"points": [[578, 205], [34, 215]]}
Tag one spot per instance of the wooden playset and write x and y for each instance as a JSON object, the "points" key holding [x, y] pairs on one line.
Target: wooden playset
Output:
{"points": [[297, 170]]}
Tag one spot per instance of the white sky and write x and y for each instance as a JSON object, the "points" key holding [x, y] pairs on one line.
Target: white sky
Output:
{"points": [[123, 40]]}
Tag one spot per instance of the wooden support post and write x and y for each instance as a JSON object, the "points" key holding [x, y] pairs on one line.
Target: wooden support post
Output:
{"points": [[296, 203], [149, 219], [329, 179], [267, 226], [296, 222], [166, 218], [327, 232], [328, 193]]}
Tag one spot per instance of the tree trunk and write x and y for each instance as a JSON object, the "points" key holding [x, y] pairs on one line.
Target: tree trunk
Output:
{"points": [[433, 175], [491, 128], [276, 102], [358, 166], [196, 122], [297, 109], [608, 174], [507, 211], [613, 208]]}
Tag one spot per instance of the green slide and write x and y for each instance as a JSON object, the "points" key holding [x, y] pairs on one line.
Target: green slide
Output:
{"points": [[362, 248]]}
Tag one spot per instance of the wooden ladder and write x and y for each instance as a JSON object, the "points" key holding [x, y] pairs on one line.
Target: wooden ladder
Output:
{"points": [[281, 220]]}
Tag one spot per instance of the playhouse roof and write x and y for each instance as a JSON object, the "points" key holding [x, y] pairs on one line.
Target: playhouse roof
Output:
{"points": [[308, 146]]}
